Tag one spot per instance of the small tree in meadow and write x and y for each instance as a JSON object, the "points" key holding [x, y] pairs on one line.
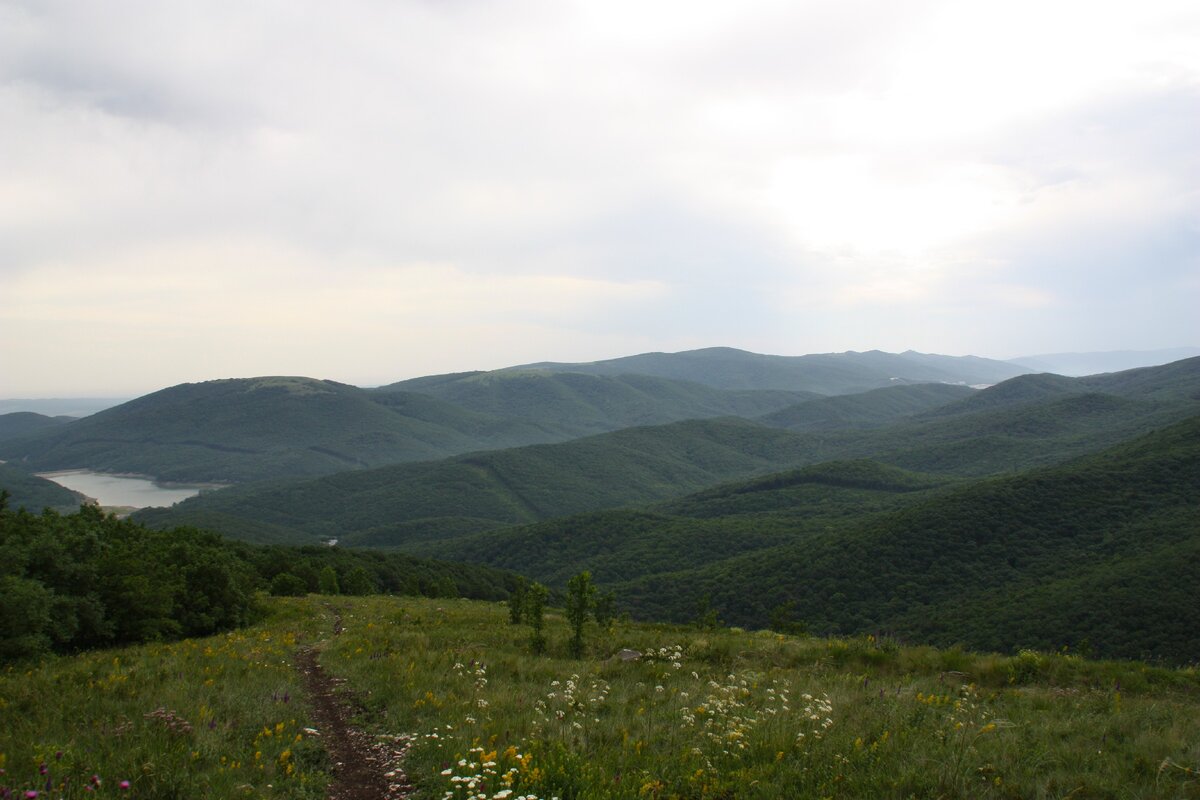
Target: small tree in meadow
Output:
{"points": [[534, 613], [328, 582], [706, 615], [285, 584], [360, 582], [516, 601], [606, 609], [782, 621], [581, 599]]}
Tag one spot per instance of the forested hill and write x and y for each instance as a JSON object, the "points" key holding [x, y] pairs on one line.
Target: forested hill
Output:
{"points": [[484, 490], [255, 429], [393, 506], [871, 409], [1103, 553], [23, 423], [825, 373], [580, 404], [34, 493]]}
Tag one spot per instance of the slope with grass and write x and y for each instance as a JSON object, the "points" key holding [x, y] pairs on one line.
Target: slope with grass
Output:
{"points": [[717, 713], [86, 580]]}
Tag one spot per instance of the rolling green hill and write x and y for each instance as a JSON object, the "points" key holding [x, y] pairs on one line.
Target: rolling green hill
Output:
{"points": [[579, 405], [393, 506], [705, 528], [23, 423], [866, 409], [34, 493], [252, 429], [504, 487], [1102, 551], [825, 373], [1176, 382], [257, 429], [276, 709]]}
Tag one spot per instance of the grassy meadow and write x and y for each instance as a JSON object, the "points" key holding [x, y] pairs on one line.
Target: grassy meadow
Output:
{"points": [[718, 713]]}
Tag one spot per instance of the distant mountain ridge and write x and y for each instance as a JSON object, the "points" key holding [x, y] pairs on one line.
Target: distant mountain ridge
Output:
{"points": [[267, 428], [60, 406], [240, 430], [580, 404], [23, 423], [1079, 364], [823, 373], [393, 505]]}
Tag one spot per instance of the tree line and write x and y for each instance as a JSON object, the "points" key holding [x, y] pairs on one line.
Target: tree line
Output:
{"points": [[75, 581]]}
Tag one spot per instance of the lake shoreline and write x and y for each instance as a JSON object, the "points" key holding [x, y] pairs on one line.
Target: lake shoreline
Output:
{"points": [[52, 474], [126, 490]]}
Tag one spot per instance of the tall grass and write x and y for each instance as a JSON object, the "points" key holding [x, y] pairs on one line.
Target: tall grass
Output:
{"points": [[728, 713], [217, 717], [702, 714]]}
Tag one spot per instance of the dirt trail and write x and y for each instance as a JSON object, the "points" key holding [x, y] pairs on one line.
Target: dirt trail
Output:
{"points": [[365, 767]]}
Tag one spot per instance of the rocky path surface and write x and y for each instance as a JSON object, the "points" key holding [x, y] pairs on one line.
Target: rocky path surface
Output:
{"points": [[365, 767]]}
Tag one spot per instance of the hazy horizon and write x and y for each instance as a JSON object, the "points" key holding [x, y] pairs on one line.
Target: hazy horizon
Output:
{"points": [[60, 404], [368, 193]]}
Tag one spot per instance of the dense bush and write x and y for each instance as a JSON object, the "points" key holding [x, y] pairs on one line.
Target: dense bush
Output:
{"points": [[88, 579]]}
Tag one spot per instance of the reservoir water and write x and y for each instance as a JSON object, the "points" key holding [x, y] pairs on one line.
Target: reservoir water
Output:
{"points": [[120, 490]]}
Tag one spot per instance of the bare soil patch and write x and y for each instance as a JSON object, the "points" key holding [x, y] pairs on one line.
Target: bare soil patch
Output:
{"points": [[365, 767]]}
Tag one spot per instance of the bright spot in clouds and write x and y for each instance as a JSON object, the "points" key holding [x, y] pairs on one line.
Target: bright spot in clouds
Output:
{"points": [[370, 192]]}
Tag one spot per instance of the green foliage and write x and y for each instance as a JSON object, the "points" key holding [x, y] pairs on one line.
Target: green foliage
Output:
{"points": [[359, 582], [201, 718], [253, 429], [1102, 550], [327, 582], [285, 584], [580, 602], [782, 620], [421, 506], [606, 609], [824, 373], [702, 714], [574, 404], [502, 487], [26, 623], [867, 409], [718, 714], [516, 601], [89, 580], [22, 423], [262, 428], [534, 613], [34, 493], [706, 615]]}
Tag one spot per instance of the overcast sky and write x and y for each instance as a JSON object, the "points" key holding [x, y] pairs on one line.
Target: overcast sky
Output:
{"points": [[369, 191]]}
